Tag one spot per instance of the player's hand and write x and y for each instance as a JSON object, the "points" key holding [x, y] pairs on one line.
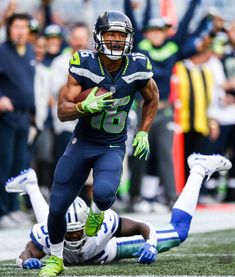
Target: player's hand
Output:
{"points": [[147, 254], [94, 104], [6, 104], [141, 145], [32, 263]]}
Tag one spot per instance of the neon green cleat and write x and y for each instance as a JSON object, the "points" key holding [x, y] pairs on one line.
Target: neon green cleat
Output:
{"points": [[93, 223], [54, 266]]}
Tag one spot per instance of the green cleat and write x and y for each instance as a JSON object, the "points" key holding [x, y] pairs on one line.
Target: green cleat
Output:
{"points": [[54, 266], [93, 223]]}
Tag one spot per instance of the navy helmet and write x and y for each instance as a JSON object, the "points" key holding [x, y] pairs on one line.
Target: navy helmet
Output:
{"points": [[113, 21]]}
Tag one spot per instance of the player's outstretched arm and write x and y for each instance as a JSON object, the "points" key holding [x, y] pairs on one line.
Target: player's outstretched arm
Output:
{"points": [[148, 253], [30, 257]]}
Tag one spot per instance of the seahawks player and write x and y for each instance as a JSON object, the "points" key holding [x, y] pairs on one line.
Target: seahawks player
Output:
{"points": [[118, 237], [99, 137]]}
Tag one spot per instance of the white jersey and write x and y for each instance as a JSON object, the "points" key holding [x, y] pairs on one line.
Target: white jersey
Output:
{"points": [[98, 249]]}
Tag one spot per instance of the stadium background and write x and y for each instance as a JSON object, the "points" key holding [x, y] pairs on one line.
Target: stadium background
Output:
{"points": [[219, 217]]}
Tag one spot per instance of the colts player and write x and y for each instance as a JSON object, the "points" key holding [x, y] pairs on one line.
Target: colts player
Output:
{"points": [[119, 237], [99, 137]]}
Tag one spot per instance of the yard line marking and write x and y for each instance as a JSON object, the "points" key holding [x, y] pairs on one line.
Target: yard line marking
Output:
{"points": [[200, 255]]}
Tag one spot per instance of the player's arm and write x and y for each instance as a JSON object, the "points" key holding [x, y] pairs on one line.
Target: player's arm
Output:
{"points": [[150, 95], [30, 257], [70, 109], [130, 227], [67, 100], [148, 253]]}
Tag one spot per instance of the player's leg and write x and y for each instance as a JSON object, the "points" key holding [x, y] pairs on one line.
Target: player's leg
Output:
{"points": [[107, 176], [71, 173], [185, 206], [175, 232], [107, 171], [27, 182]]}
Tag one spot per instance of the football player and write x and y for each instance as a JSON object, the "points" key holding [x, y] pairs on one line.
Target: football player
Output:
{"points": [[119, 237], [98, 141]]}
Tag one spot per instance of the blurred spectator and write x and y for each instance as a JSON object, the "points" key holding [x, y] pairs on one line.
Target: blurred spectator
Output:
{"points": [[42, 96], [16, 107], [79, 39], [34, 30], [163, 52], [54, 37], [196, 89], [224, 112], [45, 143], [42, 83]]}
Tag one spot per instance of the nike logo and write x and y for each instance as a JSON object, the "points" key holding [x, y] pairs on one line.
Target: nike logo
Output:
{"points": [[114, 146]]}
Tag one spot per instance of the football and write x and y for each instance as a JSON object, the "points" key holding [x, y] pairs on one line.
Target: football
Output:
{"points": [[83, 95]]}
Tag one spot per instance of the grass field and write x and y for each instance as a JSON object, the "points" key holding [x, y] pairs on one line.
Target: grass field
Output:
{"points": [[208, 254]]}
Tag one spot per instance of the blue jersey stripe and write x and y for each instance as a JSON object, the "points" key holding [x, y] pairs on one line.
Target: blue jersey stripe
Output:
{"points": [[166, 239], [34, 240], [114, 224], [165, 231], [130, 242], [96, 257]]}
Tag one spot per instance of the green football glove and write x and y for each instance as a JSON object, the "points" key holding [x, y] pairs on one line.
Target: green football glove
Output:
{"points": [[141, 145], [94, 104]]}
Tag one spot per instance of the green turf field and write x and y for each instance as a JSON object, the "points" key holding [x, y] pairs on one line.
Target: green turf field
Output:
{"points": [[208, 254]]}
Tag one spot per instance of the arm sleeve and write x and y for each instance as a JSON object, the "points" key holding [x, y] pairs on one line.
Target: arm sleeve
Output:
{"points": [[146, 73], [188, 49], [129, 12], [182, 30], [147, 14]]}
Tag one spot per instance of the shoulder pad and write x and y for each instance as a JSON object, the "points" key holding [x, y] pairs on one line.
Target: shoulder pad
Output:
{"points": [[82, 57], [142, 60]]}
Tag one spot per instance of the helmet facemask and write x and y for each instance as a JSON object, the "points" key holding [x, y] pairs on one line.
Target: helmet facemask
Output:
{"points": [[76, 218]]}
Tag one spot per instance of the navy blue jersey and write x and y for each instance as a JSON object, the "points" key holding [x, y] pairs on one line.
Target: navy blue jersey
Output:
{"points": [[109, 127]]}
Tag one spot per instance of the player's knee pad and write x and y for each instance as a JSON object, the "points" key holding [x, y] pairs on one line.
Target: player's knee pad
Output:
{"points": [[104, 193], [181, 222], [104, 205]]}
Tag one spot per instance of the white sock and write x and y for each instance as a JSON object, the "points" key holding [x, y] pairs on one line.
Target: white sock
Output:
{"points": [[188, 198], [40, 206], [94, 208], [57, 249]]}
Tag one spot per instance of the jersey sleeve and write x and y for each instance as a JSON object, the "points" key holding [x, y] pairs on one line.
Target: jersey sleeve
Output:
{"points": [[40, 238], [143, 68], [108, 228], [75, 67]]}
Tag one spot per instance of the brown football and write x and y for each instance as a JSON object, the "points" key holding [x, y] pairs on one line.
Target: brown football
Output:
{"points": [[83, 95]]}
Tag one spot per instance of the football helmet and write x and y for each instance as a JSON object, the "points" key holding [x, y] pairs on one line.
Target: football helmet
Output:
{"points": [[113, 21], [76, 218]]}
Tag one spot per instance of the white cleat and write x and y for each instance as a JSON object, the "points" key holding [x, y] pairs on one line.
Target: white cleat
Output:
{"points": [[211, 163], [18, 183]]}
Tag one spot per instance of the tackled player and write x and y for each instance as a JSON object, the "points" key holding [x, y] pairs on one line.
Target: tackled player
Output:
{"points": [[119, 237]]}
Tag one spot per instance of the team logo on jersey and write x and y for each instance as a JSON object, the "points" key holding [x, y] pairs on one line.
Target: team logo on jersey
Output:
{"points": [[113, 89], [74, 140]]}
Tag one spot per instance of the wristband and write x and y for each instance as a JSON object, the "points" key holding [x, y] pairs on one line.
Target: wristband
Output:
{"points": [[19, 262], [81, 112]]}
